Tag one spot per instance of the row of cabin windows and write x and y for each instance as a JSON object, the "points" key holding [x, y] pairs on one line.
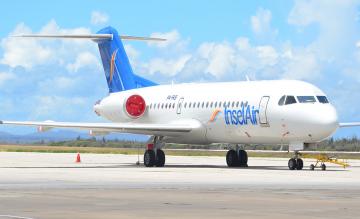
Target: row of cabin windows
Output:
{"points": [[286, 100], [195, 105]]}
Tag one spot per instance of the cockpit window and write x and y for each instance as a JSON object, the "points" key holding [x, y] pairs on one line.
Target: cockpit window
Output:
{"points": [[282, 100], [306, 99], [290, 100], [322, 99]]}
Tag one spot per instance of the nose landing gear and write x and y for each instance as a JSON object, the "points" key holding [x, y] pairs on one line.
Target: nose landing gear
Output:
{"points": [[296, 163]]}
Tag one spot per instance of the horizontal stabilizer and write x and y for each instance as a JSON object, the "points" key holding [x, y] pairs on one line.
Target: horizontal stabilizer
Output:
{"points": [[349, 124], [88, 36]]}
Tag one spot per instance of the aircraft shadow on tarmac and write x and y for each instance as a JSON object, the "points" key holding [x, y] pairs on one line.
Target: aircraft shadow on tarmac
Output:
{"points": [[183, 166]]}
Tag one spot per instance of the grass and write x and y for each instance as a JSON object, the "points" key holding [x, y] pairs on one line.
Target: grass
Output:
{"points": [[134, 151]]}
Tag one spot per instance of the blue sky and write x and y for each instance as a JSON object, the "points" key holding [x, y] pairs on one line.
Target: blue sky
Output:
{"points": [[315, 41]]}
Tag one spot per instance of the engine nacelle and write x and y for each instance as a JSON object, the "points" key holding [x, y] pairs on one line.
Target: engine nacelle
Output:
{"points": [[135, 106], [119, 107]]}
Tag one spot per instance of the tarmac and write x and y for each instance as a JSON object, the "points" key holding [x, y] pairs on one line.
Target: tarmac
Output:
{"points": [[46, 185]]}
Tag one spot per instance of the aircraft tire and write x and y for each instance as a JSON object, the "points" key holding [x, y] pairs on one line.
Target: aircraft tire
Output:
{"points": [[299, 164], [160, 158], [312, 167], [231, 158], [149, 158], [323, 166], [292, 164], [243, 158]]}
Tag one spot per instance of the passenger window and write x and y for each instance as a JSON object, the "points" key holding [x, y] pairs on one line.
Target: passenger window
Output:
{"points": [[322, 99], [306, 99], [185, 105], [215, 104], [173, 105], [290, 100], [282, 100]]}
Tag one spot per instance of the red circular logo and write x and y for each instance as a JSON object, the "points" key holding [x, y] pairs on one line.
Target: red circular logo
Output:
{"points": [[135, 105]]}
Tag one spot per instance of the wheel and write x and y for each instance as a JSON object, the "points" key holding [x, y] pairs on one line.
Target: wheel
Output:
{"points": [[243, 158], [232, 158], [149, 158], [323, 166], [160, 158], [312, 167], [299, 164], [292, 164]]}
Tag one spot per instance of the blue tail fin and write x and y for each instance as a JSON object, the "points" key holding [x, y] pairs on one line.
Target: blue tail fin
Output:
{"points": [[118, 71]]}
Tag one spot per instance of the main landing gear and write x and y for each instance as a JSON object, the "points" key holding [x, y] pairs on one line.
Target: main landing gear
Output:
{"points": [[296, 163], [237, 158], [154, 156]]}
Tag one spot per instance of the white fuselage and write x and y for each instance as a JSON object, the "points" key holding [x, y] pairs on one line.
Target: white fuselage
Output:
{"points": [[233, 112]]}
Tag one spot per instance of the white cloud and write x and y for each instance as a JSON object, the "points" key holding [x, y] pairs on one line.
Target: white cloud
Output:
{"points": [[6, 76], [261, 23], [132, 53], [267, 54], [171, 38], [23, 52], [98, 18], [301, 65], [29, 53], [48, 106], [174, 42], [62, 83], [169, 67], [336, 22], [84, 59], [357, 44], [219, 56]]}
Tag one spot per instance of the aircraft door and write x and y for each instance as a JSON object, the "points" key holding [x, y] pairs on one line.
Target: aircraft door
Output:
{"points": [[180, 105], [263, 120]]}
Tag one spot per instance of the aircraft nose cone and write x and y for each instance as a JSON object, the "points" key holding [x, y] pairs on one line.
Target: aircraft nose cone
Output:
{"points": [[326, 120], [330, 117]]}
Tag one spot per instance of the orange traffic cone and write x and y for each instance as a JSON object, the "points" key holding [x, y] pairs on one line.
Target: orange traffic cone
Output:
{"points": [[78, 159]]}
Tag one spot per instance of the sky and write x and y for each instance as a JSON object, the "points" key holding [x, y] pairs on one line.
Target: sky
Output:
{"points": [[207, 41]]}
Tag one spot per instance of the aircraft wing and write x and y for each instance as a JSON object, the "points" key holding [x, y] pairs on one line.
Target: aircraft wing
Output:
{"points": [[349, 124], [135, 128]]}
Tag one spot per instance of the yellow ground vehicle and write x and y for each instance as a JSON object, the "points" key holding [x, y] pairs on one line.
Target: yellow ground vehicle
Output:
{"points": [[321, 159]]}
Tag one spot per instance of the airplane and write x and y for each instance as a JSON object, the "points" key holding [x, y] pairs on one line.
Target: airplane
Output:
{"points": [[289, 112]]}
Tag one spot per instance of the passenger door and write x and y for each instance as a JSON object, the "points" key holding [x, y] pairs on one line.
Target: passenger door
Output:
{"points": [[263, 120], [179, 105]]}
